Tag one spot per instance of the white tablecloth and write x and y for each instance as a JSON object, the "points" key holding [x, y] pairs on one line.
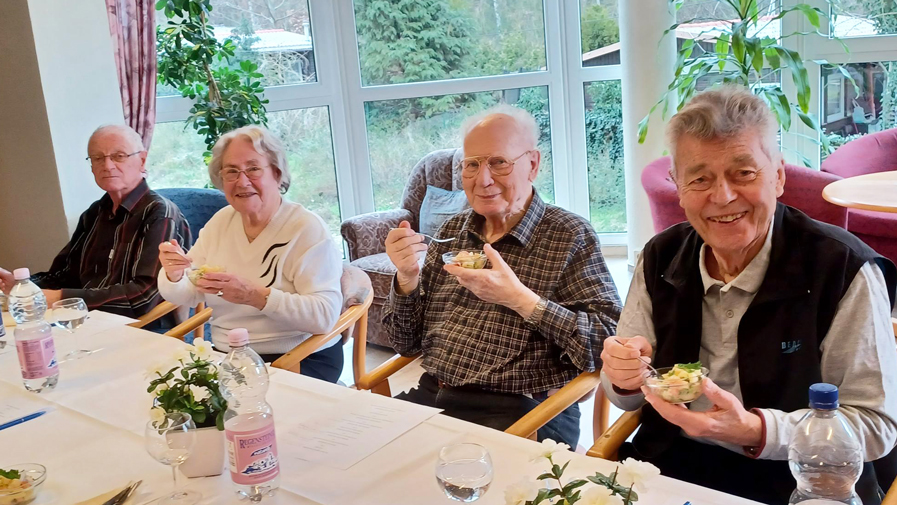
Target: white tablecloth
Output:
{"points": [[92, 440]]}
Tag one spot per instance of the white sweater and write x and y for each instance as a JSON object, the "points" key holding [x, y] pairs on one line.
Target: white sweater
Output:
{"points": [[294, 255]]}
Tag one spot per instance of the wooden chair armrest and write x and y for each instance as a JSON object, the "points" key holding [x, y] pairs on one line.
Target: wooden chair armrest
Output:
{"points": [[292, 359], [607, 446], [191, 324], [375, 380], [891, 495], [579, 387], [154, 314]]}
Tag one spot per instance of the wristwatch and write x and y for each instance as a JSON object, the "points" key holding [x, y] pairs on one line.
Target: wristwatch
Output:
{"points": [[536, 316]]}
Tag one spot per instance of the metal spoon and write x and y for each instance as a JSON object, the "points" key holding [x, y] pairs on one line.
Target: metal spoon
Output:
{"points": [[438, 240], [643, 359]]}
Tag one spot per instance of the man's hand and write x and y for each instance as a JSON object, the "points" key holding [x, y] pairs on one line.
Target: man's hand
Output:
{"points": [[727, 421], [6, 280], [625, 360], [498, 284], [53, 296], [233, 289], [403, 247]]}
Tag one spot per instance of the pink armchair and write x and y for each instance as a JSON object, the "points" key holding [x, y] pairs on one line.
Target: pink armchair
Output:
{"points": [[803, 190], [869, 154]]}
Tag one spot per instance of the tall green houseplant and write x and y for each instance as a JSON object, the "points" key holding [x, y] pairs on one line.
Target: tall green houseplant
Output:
{"points": [[226, 93], [742, 55]]}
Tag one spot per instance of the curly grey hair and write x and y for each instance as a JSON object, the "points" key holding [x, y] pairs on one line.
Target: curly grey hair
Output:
{"points": [[724, 112], [264, 142]]}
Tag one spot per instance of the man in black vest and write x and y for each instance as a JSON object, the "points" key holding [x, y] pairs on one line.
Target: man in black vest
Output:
{"points": [[769, 300]]}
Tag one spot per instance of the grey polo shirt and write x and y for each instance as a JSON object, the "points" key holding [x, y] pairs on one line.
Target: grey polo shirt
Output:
{"points": [[858, 352]]}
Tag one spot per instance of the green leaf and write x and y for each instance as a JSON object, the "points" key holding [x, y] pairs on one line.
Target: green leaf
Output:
{"points": [[546, 476], [722, 50], [755, 50], [738, 46], [811, 13], [798, 74], [691, 367], [10, 474]]}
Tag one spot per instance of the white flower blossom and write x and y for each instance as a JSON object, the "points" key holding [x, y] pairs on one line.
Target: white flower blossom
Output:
{"points": [[599, 495], [157, 415], [199, 393], [157, 370], [182, 355], [161, 388], [636, 473], [202, 349], [549, 448], [521, 492]]}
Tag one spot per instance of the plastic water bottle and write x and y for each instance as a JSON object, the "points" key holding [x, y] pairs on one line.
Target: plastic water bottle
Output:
{"points": [[33, 335], [2, 327], [825, 455], [249, 420]]}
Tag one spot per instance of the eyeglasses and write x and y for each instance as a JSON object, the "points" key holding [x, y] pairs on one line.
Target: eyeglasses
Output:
{"points": [[232, 174], [498, 165], [97, 160]]}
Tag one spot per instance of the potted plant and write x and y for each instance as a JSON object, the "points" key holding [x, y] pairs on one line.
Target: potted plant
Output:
{"points": [[188, 382]]}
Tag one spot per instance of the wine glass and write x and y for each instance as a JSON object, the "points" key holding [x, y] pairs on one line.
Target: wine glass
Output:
{"points": [[69, 314], [170, 441], [464, 471]]}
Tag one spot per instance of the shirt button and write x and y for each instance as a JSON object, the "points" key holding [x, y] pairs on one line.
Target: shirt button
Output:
{"points": [[730, 314]]}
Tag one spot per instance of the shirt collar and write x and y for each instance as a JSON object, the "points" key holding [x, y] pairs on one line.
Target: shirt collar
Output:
{"points": [[131, 200], [750, 278], [523, 231]]}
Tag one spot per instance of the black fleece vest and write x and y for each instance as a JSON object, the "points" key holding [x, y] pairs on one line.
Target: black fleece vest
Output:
{"points": [[811, 265]]}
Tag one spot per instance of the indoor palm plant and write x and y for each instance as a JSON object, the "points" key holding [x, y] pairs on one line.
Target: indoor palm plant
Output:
{"points": [[188, 382], [737, 51]]}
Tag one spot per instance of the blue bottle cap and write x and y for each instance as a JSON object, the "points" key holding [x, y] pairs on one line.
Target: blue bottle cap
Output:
{"points": [[823, 396]]}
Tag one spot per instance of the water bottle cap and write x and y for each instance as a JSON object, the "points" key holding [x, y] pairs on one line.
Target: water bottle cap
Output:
{"points": [[238, 337], [21, 274], [823, 396]]}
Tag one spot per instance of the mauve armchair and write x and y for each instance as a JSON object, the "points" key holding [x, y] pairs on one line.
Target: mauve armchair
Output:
{"points": [[366, 234], [803, 191], [869, 154]]}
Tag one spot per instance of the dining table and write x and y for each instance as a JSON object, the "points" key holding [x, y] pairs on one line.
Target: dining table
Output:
{"points": [[877, 192], [92, 439]]}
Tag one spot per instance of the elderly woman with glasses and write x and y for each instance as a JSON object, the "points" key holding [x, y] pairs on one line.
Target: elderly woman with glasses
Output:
{"points": [[271, 265]]}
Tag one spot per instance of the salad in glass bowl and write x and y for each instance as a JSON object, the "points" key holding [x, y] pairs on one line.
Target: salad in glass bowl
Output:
{"points": [[196, 274], [466, 259], [19, 484], [681, 383]]}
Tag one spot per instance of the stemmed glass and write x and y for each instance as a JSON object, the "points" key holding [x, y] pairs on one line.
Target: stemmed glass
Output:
{"points": [[70, 314], [464, 471], [170, 441]]}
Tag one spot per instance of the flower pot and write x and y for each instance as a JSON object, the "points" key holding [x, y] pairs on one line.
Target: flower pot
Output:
{"points": [[207, 458]]}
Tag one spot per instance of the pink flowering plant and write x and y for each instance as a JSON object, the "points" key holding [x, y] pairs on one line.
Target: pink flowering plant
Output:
{"points": [[188, 382], [618, 488]]}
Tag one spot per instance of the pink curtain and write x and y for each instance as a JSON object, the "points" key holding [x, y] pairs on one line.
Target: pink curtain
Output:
{"points": [[132, 24]]}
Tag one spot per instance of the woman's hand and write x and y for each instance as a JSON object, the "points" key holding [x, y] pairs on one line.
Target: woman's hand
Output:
{"points": [[173, 260], [234, 289]]}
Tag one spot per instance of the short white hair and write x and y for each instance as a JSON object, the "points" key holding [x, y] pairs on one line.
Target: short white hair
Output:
{"points": [[126, 132], [264, 142], [521, 117]]}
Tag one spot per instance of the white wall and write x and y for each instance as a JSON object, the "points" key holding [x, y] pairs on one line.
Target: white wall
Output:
{"points": [[57, 84]]}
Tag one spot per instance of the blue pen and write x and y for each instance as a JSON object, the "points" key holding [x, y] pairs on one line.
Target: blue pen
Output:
{"points": [[22, 419]]}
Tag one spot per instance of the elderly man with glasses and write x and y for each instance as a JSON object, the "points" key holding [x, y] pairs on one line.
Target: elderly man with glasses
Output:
{"points": [[112, 260], [497, 341]]}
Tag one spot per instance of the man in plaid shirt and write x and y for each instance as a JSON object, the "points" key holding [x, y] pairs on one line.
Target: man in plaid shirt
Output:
{"points": [[498, 341]]}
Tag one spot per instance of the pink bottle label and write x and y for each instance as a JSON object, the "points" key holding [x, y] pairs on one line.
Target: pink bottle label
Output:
{"points": [[37, 357], [253, 455]]}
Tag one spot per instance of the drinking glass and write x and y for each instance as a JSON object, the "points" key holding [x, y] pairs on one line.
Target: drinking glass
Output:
{"points": [[170, 441], [70, 314], [464, 471]]}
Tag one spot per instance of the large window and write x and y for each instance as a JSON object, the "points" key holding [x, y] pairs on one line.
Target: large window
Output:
{"points": [[866, 105], [599, 33], [604, 148], [864, 18]]}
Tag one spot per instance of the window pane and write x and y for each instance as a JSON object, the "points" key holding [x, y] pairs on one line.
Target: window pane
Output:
{"points": [[850, 112], [600, 32], [175, 160], [400, 134], [862, 18], [710, 10], [275, 36], [431, 40], [604, 155]]}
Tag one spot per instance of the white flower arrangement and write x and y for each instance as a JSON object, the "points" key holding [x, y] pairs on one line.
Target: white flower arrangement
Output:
{"points": [[188, 382], [617, 489]]}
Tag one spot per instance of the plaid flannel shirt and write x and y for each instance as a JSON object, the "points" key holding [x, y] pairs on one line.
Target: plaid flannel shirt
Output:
{"points": [[466, 341]]}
